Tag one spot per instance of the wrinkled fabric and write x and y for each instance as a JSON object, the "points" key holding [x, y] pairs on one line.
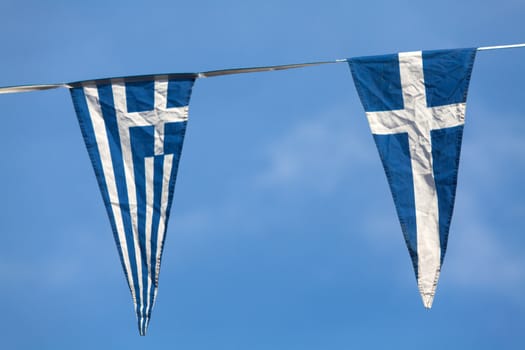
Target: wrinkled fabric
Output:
{"points": [[134, 132], [415, 104]]}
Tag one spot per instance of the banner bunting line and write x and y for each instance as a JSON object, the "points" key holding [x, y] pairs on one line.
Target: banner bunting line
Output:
{"points": [[207, 74]]}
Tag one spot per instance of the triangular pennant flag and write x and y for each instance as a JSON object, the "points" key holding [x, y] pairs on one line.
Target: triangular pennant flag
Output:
{"points": [[415, 105], [134, 131]]}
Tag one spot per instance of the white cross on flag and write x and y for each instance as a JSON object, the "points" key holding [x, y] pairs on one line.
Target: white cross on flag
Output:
{"points": [[415, 105], [134, 130]]}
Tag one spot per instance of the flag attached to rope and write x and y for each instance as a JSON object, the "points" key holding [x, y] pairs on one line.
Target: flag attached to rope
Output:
{"points": [[415, 105], [134, 131]]}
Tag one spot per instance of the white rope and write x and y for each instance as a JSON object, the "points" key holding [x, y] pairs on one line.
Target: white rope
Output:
{"points": [[500, 47], [207, 74], [215, 73], [27, 88]]}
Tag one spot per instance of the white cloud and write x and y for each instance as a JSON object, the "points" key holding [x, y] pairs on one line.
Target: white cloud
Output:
{"points": [[479, 255], [79, 257], [323, 153], [318, 153]]}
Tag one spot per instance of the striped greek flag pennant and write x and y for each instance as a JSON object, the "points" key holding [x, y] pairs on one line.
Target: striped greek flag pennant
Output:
{"points": [[134, 131], [415, 105]]}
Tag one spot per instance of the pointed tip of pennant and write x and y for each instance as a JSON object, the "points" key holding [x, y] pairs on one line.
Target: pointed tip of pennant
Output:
{"points": [[428, 299], [143, 331], [427, 285], [428, 292], [143, 327]]}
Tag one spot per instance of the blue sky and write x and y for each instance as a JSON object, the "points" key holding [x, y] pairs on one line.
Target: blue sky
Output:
{"points": [[283, 233]]}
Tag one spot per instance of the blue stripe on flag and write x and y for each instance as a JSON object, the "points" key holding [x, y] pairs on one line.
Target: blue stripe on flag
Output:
{"points": [[447, 75], [142, 146], [86, 126], [378, 82], [155, 138], [174, 138], [446, 148], [395, 155], [157, 195]]}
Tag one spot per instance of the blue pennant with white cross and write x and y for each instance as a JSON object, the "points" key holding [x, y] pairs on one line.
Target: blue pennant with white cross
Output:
{"points": [[134, 131], [415, 105]]}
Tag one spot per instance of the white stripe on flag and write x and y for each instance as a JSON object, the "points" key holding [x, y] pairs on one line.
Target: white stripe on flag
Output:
{"points": [[120, 101], [425, 194], [417, 120], [161, 103], [168, 164], [149, 170], [95, 113]]}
